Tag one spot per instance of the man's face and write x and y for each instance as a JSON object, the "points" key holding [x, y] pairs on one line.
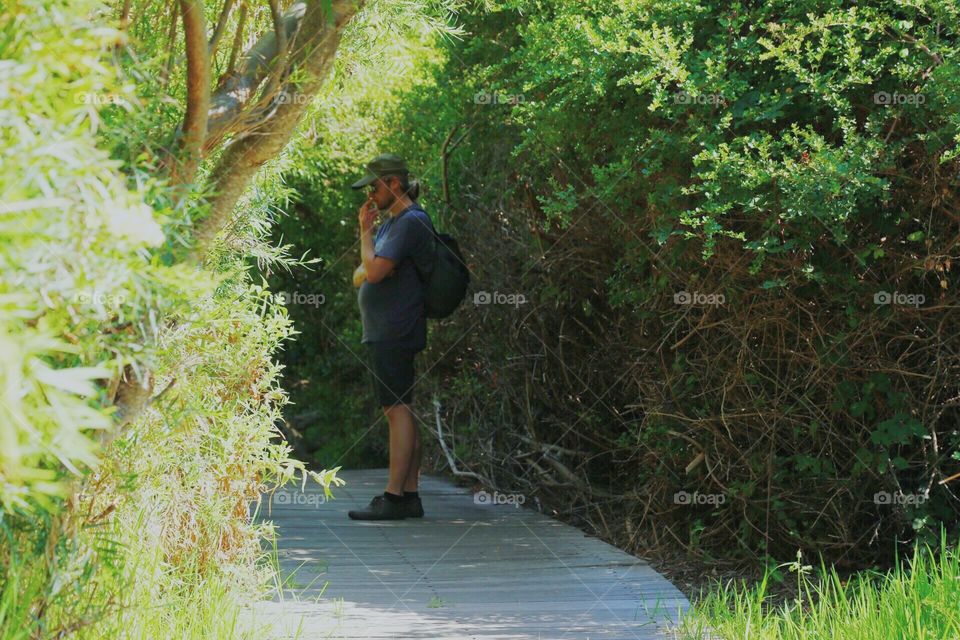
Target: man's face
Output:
{"points": [[382, 191]]}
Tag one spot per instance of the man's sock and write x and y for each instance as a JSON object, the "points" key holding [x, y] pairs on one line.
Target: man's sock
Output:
{"points": [[392, 497], [411, 495]]}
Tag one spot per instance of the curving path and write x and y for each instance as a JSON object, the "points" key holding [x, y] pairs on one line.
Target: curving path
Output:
{"points": [[465, 570]]}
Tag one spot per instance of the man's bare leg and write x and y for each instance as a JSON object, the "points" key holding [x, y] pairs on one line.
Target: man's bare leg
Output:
{"points": [[413, 474], [403, 436]]}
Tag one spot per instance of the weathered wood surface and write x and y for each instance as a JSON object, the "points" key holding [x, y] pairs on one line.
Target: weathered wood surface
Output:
{"points": [[464, 570]]}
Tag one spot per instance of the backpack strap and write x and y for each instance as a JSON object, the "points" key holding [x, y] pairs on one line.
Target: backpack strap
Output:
{"points": [[433, 236]]}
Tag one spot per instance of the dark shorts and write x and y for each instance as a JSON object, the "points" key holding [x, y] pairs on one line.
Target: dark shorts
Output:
{"points": [[393, 378]]}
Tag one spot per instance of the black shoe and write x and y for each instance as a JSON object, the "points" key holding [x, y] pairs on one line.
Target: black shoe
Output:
{"points": [[379, 509], [413, 508]]}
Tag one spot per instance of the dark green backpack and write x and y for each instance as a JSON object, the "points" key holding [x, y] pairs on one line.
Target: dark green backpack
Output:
{"points": [[445, 286]]}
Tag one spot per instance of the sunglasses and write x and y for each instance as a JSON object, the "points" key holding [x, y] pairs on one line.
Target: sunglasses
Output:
{"points": [[376, 183]]}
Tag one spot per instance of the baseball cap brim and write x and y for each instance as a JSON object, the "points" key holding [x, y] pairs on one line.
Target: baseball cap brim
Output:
{"points": [[364, 181]]}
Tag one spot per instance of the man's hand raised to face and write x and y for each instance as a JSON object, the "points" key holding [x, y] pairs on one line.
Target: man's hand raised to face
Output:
{"points": [[376, 267], [367, 214]]}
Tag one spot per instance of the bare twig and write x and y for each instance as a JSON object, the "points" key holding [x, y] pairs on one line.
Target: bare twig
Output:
{"points": [[444, 154], [237, 40], [171, 43], [446, 451], [220, 28]]}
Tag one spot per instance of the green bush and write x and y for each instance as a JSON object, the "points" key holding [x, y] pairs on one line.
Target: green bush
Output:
{"points": [[120, 526], [794, 163]]}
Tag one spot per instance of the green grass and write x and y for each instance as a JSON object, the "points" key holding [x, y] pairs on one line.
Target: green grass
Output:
{"points": [[918, 599], [110, 585]]}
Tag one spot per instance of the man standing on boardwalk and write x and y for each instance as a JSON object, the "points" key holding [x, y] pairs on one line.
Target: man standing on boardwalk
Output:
{"points": [[391, 298]]}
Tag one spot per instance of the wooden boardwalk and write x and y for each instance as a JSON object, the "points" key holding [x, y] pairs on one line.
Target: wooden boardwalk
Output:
{"points": [[465, 570]]}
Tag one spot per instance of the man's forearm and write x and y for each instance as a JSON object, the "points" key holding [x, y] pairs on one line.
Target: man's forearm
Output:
{"points": [[359, 275], [366, 249]]}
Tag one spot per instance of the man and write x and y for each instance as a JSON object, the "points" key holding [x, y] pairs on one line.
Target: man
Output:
{"points": [[391, 299]]}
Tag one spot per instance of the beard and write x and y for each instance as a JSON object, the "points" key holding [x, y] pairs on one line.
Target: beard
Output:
{"points": [[387, 202]]}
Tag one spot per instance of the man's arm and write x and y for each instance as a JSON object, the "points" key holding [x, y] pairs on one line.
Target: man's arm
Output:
{"points": [[375, 267], [359, 275]]}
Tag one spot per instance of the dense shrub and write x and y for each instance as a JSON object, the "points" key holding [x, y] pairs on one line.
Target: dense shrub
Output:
{"points": [[753, 153], [787, 168], [119, 526]]}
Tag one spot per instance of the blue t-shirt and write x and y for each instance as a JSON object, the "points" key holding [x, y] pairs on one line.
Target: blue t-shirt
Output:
{"points": [[392, 309]]}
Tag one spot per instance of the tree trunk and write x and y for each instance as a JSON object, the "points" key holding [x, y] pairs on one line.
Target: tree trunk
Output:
{"points": [[193, 132]]}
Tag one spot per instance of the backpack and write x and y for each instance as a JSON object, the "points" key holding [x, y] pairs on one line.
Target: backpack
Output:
{"points": [[446, 285]]}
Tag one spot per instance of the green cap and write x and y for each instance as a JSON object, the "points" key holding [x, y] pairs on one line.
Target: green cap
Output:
{"points": [[385, 164]]}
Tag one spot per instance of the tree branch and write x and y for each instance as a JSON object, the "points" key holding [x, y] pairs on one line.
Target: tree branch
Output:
{"points": [[171, 41], [246, 154], [451, 460], [280, 62], [124, 28], [125, 15], [220, 28], [228, 102], [188, 145], [443, 165], [237, 39]]}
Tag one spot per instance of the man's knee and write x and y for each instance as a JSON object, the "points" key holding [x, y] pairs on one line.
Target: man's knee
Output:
{"points": [[394, 409]]}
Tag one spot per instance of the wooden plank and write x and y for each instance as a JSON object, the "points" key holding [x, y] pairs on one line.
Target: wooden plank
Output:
{"points": [[464, 570]]}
